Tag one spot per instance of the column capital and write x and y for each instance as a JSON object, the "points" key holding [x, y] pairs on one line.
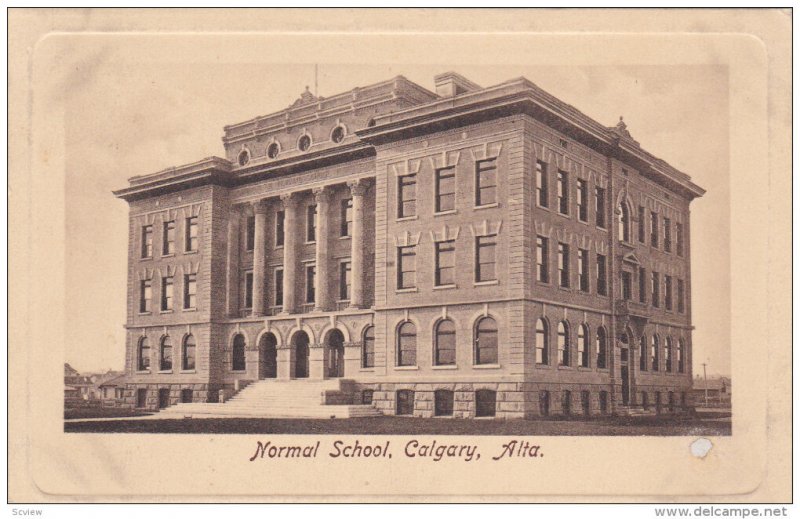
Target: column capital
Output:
{"points": [[321, 194], [289, 199], [357, 187], [259, 207]]}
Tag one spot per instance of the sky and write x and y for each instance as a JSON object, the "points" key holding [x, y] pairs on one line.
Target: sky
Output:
{"points": [[134, 108]]}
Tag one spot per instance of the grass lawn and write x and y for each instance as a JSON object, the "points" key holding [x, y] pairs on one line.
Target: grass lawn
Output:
{"points": [[100, 412], [606, 426]]}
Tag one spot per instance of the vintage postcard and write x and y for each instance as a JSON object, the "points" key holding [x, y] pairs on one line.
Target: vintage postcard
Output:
{"points": [[349, 255]]}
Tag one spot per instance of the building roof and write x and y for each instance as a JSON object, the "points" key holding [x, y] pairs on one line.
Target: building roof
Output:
{"points": [[117, 380], [426, 113]]}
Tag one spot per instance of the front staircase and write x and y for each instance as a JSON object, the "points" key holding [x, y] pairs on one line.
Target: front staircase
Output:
{"points": [[279, 399], [629, 410]]}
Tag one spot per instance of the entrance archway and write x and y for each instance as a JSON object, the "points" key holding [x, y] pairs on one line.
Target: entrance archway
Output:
{"points": [[267, 356], [300, 351], [334, 353]]}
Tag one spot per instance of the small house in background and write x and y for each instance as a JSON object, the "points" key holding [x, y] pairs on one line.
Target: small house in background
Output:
{"points": [[111, 388], [717, 388]]}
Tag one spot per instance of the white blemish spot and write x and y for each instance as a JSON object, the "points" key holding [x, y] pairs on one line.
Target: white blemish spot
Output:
{"points": [[701, 447]]}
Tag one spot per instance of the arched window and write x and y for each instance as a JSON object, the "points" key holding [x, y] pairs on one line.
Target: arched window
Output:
{"points": [[542, 342], [238, 362], [654, 352], [189, 350], [165, 359], [681, 355], [602, 348], [624, 227], [143, 356], [583, 345], [445, 343], [486, 341], [368, 348], [563, 343], [407, 344], [642, 353], [668, 354]]}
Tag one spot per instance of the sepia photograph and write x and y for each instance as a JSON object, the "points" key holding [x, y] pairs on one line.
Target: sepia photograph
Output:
{"points": [[371, 248]]}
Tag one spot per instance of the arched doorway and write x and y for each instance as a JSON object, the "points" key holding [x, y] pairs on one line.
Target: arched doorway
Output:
{"points": [[268, 356], [624, 372], [334, 352], [300, 351]]}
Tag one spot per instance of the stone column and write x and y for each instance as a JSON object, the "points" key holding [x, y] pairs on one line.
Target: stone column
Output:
{"points": [[259, 257], [316, 361], [357, 190], [290, 231], [233, 263], [284, 362], [322, 281]]}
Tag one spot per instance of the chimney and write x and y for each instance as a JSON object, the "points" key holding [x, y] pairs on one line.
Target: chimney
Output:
{"points": [[450, 84]]}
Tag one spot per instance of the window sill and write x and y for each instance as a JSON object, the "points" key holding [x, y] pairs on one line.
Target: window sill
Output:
{"points": [[406, 290], [406, 368], [562, 215], [540, 206], [570, 368], [190, 252], [542, 366], [146, 258], [543, 283], [248, 251], [599, 228], [367, 370], [445, 213], [193, 309], [585, 222], [444, 287], [486, 366], [164, 371], [566, 289], [143, 372], [583, 368], [277, 247], [487, 206], [486, 283], [188, 371], [445, 366], [406, 218], [145, 313], [165, 312], [313, 242], [238, 371]]}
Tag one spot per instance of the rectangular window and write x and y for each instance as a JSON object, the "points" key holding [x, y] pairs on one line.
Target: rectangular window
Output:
{"points": [[344, 280], [563, 192], [278, 284], [654, 289], [311, 271], [169, 238], [145, 295], [563, 265], [250, 233], [642, 285], [668, 292], [190, 291], [542, 259], [311, 223], [600, 207], [541, 184], [167, 283], [346, 218], [679, 239], [248, 289], [445, 189], [583, 269], [406, 196], [602, 287], [667, 235], [406, 267], [653, 229], [445, 263], [681, 302], [191, 234], [641, 224], [626, 285], [147, 241], [280, 221], [485, 267], [580, 196], [485, 182]]}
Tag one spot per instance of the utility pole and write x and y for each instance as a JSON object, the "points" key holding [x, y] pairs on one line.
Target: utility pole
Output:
{"points": [[705, 383], [316, 80]]}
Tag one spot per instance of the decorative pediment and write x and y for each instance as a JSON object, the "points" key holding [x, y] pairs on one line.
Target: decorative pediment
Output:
{"points": [[406, 239], [631, 258], [305, 98], [445, 234], [485, 228]]}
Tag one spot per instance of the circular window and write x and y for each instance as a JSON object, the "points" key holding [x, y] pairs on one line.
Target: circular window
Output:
{"points": [[304, 143], [273, 150], [337, 135], [244, 157]]}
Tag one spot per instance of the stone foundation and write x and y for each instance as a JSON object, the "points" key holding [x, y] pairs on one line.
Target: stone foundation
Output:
{"points": [[200, 393]]}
